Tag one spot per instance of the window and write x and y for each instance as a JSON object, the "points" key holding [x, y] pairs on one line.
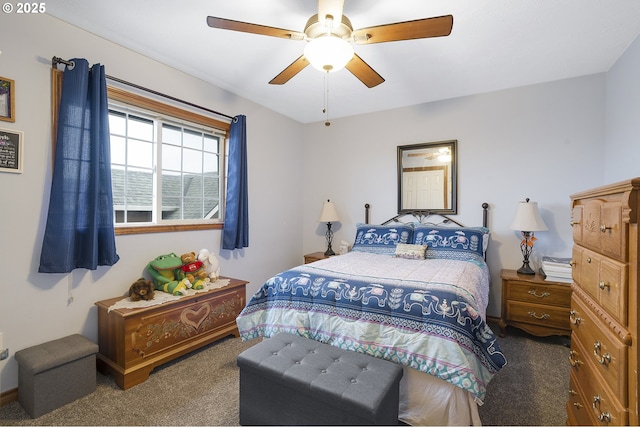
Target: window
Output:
{"points": [[166, 166], [139, 208]]}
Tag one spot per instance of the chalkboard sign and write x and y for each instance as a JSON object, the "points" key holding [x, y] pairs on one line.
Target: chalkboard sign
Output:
{"points": [[10, 151]]}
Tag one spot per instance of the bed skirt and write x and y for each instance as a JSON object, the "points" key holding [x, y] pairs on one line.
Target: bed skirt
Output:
{"points": [[427, 400]]}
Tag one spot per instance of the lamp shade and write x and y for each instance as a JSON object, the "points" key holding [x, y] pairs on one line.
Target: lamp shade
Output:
{"points": [[329, 213], [528, 218], [328, 53]]}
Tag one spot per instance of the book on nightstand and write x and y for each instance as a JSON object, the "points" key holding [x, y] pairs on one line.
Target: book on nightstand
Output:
{"points": [[556, 269]]}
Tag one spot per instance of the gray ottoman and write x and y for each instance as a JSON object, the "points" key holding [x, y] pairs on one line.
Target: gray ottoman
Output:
{"points": [[291, 380], [55, 373]]}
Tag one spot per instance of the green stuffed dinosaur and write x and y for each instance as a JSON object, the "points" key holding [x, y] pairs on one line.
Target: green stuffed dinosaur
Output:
{"points": [[163, 274]]}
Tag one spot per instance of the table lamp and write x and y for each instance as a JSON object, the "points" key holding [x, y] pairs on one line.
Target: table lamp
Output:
{"points": [[527, 220], [329, 215]]}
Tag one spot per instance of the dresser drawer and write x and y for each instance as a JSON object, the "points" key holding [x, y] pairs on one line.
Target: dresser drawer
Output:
{"points": [[612, 287], [579, 411], [603, 405], [604, 279], [593, 341], [538, 314], [557, 295], [598, 225]]}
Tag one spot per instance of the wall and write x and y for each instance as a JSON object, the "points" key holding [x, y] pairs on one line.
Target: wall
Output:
{"points": [[543, 141], [35, 307], [622, 113]]}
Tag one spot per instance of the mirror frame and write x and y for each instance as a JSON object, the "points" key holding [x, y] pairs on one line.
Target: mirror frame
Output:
{"points": [[429, 147]]}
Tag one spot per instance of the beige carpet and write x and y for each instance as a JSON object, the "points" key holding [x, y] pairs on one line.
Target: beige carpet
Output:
{"points": [[202, 389]]}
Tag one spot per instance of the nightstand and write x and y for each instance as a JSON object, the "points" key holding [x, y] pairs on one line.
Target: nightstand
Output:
{"points": [[535, 305], [313, 257]]}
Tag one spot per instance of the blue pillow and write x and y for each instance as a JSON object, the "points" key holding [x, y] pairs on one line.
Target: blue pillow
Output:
{"points": [[452, 242], [381, 239]]}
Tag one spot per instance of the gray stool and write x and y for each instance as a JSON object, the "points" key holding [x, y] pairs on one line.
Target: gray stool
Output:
{"points": [[55, 373], [291, 380]]}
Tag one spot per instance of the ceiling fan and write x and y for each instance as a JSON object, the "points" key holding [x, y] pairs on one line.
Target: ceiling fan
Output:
{"points": [[331, 27]]}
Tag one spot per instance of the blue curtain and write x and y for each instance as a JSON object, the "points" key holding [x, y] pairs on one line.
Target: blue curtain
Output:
{"points": [[79, 231], [235, 234]]}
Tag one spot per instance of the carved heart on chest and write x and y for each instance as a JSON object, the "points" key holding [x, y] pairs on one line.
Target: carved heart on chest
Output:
{"points": [[194, 318]]}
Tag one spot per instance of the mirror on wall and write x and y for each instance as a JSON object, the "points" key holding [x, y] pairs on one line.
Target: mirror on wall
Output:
{"points": [[427, 177]]}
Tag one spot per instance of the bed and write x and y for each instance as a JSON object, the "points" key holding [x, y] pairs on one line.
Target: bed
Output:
{"points": [[414, 293]]}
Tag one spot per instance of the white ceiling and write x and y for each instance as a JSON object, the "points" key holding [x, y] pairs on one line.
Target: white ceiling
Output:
{"points": [[494, 44]]}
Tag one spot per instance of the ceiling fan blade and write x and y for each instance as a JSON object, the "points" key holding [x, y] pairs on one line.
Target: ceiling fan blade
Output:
{"points": [[246, 27], [288, 73], [419, 29], [333, 8], [364, 72]]}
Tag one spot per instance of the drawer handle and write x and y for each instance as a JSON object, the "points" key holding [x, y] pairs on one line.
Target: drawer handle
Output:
{"points": [[603, 285], [572, 392], [603, 417], [572, 222], [542, 316], [535, 293], [575, 320], [604, 228], [578, 405], [574, 362], [605, 359], [588, 260]]}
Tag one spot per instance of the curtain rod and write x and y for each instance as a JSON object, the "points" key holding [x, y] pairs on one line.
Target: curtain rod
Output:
{"points": [[56, 60]]}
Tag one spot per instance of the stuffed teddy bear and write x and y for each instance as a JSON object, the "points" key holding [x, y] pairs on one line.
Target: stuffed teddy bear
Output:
{"points": [[163, 274], [192, 270], [141, 289], [211, 265]]}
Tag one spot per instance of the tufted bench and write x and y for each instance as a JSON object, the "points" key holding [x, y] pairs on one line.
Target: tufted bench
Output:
{"points": [[55, 373], [291, 380]]}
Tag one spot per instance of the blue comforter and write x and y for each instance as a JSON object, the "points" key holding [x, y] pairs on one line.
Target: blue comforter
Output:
{"points": [[434, 325]]}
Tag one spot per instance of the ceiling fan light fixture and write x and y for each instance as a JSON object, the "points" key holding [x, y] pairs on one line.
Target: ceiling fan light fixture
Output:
{"points": [[328, 53]]}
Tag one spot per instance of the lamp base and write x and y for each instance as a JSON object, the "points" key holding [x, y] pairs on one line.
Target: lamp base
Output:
{"points": [[329, 236], [525, 269]]}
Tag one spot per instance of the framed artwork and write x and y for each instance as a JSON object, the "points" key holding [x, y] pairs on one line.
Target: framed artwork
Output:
{"points": [[7, 100], [11, 149]]}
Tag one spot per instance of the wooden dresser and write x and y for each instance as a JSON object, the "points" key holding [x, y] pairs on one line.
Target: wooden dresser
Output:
{"points": [[535, 305], [134, 341], [604, 306]]}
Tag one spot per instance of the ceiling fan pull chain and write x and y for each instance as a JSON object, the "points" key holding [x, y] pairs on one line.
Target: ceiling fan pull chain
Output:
{"points": [[325, 110]]}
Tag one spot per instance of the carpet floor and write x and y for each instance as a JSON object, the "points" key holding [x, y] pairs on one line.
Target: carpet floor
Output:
{"points": [[201, 389]]}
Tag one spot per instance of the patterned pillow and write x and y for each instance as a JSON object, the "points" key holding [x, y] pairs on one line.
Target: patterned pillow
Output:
{"points": [[381, 239], [452, 242], [404, 250]]}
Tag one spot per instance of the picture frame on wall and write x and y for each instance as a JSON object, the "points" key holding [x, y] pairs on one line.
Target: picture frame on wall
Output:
{"points": [[7, 100], [11, 151]]}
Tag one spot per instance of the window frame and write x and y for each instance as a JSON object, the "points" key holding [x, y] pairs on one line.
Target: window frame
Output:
{"points": [[138, 101]]}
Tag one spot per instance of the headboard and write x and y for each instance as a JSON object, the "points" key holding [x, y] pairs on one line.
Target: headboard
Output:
{"points": [[426, 217]]}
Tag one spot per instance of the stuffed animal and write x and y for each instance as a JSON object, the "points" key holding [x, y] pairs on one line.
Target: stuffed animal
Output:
{"points": [[211, 265], [141, 289], [163, 274], [192, 270]]}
